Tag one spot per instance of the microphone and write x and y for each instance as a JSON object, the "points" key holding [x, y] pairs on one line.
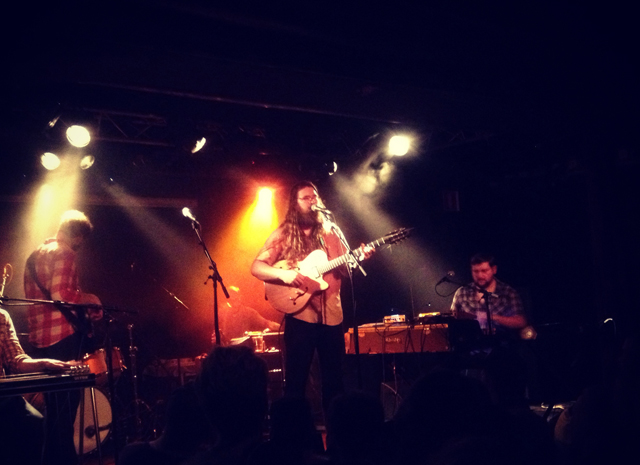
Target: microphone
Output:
{"points": [[187, 213], [316, 208], [447, 277], [484, 291]]}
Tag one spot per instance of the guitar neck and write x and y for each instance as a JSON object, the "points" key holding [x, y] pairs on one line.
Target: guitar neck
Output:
{"points": [[342, 259]]}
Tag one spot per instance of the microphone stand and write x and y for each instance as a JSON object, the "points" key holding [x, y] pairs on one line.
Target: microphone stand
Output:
{"points": [[215, 276], [6, 275], [486, 294], [353, 260]]}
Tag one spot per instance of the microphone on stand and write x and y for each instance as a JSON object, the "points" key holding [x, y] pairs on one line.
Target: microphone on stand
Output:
{"points": [[7, 276], [316, 208], [484, 291], [187, 213], [447, 277]]}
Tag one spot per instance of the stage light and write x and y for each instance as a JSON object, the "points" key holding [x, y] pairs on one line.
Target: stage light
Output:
{"points": [[50, 161], [263, 208], [87, 162], [53, 121], [78, 136], [260, 219], [399, 145], [265, 195], [198, 145]]}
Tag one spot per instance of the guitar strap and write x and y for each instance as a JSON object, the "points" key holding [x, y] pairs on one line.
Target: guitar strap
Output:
{"points": [[79, 324]]}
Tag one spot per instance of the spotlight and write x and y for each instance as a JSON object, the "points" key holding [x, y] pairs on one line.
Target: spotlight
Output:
{"points": [[265, 195], [87, 162], [399, 145], [53, 121], [78, 136], [198, 145], [50, 161]]}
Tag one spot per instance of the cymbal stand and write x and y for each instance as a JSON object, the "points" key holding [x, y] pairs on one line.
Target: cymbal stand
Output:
{"points": [[133, 350]]}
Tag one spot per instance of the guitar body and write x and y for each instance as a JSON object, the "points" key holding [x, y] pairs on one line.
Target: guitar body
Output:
{"points": [[290, 299]]}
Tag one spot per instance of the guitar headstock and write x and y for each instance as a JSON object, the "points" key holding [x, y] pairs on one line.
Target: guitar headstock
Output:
{"points": [[398, 235]]}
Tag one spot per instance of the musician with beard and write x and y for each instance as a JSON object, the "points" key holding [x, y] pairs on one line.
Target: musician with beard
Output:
{"points": [[317, 325], [505, 305], [57, 332]]}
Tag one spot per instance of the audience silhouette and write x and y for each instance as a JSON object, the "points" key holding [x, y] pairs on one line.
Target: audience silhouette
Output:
{"points": [[186, 431], [447, 418], [232, 387], [356, 431], [293, 438]]}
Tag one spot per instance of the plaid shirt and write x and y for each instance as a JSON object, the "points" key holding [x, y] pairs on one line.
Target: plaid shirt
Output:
{"points": [[56, 271], [505, 302], [11, 352]]}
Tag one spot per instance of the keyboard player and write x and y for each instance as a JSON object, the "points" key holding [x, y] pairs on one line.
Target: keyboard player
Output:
{"points": [[21, 425]]}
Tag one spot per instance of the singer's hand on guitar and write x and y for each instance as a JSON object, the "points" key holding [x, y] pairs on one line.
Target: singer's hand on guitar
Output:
{"points": [[291, 277]]}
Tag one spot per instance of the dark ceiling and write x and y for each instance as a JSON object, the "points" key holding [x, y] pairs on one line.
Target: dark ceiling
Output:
{"points": [[316, 80]]}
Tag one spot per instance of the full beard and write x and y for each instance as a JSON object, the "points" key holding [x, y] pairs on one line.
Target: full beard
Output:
{"points": [[308, 220]]}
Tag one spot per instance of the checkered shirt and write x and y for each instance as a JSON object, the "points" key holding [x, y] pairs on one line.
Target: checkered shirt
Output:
{"points": [[56, 270], [11, 352], [506, 302]]}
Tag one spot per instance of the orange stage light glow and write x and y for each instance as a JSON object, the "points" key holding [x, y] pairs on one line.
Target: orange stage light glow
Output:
{"points": [[238, 244], [260, 219]]}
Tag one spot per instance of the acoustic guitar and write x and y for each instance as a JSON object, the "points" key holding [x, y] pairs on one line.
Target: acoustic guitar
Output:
{"points": [[290, 299]]}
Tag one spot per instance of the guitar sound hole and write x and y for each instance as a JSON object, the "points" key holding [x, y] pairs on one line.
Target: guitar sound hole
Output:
{"points": [[299, 293]]}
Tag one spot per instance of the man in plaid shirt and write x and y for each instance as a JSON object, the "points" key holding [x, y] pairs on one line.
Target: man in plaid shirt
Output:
{"points": [[51, 274], [505, 305]]}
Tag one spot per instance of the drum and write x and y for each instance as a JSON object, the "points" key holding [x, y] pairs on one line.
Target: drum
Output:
{"points": [[104, 422], [97, 362], [36, 399]]}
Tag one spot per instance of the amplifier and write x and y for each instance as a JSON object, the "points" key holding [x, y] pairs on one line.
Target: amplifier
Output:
{"points": [[400, 338]]}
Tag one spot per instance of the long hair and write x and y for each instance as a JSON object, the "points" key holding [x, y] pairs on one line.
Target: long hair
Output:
{"points": [[296, 244]]}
